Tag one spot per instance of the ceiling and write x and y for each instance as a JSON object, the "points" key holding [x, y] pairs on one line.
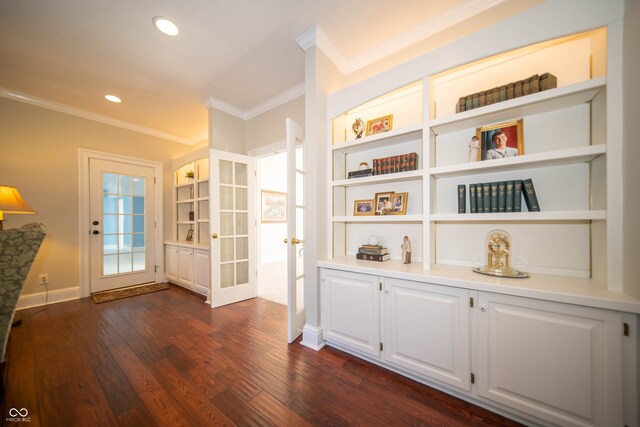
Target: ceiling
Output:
{"points": [[241, 53]]}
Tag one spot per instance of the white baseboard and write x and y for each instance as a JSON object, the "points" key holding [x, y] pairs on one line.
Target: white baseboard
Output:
{"points": [[55, 296], [312, 337], [195, 288]]}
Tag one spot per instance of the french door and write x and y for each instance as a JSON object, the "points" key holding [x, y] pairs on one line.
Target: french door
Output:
{"points": [[233, 227], [295, 230], [122, 229]]}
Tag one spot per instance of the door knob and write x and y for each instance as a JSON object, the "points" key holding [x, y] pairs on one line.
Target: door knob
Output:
{"points": [[286, 240], [294, 241], [214, 235]]}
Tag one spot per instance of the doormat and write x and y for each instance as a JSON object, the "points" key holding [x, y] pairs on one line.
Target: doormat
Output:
{"points": [[106, 296]]}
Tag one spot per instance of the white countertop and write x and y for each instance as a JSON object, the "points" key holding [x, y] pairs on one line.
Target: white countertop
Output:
{"points": [[585, 292]]}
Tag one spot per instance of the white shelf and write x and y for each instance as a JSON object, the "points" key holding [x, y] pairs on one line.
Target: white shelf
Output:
{"points": [[203, 220], [521, 216], [185, 184], [185, 201], [391, 177], [185, 222], [399, 136], [202, 199], [541, 102], [379, 218], [550, 158]]}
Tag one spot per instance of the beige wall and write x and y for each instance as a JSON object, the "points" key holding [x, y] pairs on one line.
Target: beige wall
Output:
{"points": [[226, 132], [39, 155], [269, 127], [631, 148]]}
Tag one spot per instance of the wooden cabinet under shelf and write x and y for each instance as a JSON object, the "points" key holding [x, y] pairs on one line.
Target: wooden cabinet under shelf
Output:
{"points": [[540, 360], [188, 266]]}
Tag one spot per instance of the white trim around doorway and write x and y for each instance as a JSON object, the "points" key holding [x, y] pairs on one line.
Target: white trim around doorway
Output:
{"points": [[84, 155]]}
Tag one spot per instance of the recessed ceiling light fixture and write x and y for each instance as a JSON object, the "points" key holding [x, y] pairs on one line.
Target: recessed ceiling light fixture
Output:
{"points": [[165, 26], [113, 98]]}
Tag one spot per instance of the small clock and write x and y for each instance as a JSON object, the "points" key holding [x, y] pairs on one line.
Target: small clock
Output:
{"points": [[497, 254]]}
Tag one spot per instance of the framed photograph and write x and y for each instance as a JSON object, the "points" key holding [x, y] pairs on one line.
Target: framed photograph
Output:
{"points": [[363, 207], [501, 140], [399, 203], [190, 235], [383, 203], [381, 124], [274, 206]]}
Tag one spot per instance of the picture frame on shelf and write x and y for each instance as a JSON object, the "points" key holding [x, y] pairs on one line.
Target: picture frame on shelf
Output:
{"points": [[383, 204], [399, 203], [501, 140], [189, 235], [274, 206], [379, 125], [363, 207]]}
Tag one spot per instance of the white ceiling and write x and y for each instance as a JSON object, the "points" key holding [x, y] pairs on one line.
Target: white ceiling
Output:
{"points": [[240, 52]]}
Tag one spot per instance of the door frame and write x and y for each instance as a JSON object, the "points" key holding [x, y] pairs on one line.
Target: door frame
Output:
{"points": [[84, 155]]}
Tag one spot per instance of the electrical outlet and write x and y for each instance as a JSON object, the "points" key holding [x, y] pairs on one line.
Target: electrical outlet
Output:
{"points": [[44, 279]]}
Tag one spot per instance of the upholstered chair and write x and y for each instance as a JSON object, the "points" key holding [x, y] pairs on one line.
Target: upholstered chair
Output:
{"points": [[18, 249]]}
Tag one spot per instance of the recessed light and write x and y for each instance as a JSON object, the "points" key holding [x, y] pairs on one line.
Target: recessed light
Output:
{"points": [[113, 98], [165, 26]]}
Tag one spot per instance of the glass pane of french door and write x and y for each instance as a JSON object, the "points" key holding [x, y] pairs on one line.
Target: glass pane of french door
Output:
{"points": [[123, 219], [234, 223]]}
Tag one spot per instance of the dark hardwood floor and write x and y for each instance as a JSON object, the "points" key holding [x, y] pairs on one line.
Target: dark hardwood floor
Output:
{"points": [[167, 359]]}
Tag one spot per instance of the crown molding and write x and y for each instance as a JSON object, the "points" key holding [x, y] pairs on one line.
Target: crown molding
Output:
{"points": [[269, 104], [276, 101], [315, 36], [212, 102], [62, 108], [420, 33]]}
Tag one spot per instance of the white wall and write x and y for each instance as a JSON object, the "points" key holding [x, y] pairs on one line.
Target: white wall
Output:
{"points": [[272, 175], [268, 128], [226, 132]]}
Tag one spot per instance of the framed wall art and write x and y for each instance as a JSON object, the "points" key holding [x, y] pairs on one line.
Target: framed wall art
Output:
{"points": [[274, 206], [501, 140]]}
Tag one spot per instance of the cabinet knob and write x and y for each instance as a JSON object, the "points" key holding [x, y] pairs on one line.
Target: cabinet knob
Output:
{"points": [[286, 241], [96, 223], [95, 232], [483, 309], [214, 235], [386, 291]]}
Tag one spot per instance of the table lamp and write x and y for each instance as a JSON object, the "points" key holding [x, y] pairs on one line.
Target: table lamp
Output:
{"points": [[12, 203]]}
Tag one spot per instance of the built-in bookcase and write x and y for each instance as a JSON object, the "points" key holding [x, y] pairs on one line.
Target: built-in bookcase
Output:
{"points": [[565, 154], [192, 201]]}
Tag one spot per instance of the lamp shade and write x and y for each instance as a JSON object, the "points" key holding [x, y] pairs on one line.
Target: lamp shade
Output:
{"points": [[11, 202]]}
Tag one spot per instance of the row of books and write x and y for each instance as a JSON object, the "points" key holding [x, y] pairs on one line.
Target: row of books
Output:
{"points": [[495, 197], [391, 164], [373, 253], [535, 83]]}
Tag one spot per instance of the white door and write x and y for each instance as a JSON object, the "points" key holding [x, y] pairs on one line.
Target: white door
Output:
{"points": [[295, 225], [122, 215], [233, 227]]}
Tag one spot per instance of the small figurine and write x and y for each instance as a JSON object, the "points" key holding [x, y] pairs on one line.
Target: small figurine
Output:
{"points": [[358, 127], [406, 250], [474, 146]]}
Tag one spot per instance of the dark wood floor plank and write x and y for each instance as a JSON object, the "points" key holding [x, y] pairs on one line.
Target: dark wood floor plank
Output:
{"points": [[167, 358], [273, 410]]}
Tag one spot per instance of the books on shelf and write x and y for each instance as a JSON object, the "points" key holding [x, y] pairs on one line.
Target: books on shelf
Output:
{"points": [[498, 197], [379, 258], [373, 253], [393, 164], [360, 173]]}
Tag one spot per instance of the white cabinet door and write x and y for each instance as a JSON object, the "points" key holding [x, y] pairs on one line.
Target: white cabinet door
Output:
{"points": [[426, 330], [185, 266], [558, 362], [201, 271], [171, 263], [351, 310]]}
